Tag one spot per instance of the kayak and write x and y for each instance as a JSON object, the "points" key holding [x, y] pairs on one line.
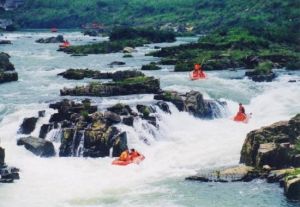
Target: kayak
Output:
{"points": [[197, 77], [64, 46], [136, 160], [240, 117]]}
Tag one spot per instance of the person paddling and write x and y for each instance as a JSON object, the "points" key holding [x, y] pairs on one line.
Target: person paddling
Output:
{"points": [[133, 154], [198, 72], [241, 115], [242, 109], [125, 156]]}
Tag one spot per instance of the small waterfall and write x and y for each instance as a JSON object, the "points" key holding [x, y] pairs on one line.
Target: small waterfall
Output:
{"points": [[54, 135], [80, 148]]}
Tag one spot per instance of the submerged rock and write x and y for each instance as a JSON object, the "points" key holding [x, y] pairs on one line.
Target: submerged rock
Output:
{"points": [[57, 39], [37, 146], [232, 174], [5, 42], [257, 77], [116, 63]]}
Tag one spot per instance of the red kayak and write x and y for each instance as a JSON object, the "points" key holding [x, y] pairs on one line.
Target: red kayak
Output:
{"points": [[197, 76], [65, 45], [240, 117], [136, 160]]}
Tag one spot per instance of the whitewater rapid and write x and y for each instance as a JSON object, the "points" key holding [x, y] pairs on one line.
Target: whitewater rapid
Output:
{"points": [[180, 147]]}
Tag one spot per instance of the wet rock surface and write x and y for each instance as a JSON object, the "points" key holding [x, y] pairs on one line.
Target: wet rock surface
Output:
{"points": [[37, 146], [192, 102], [57, 39], [7, 174], [129, 86], [274, 145], [7, 69]]}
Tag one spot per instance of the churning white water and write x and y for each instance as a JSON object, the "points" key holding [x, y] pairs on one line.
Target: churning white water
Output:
{"points": [[180, 147]]}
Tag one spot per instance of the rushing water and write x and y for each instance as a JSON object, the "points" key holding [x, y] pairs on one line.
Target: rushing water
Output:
{"points": [[181, 146]]}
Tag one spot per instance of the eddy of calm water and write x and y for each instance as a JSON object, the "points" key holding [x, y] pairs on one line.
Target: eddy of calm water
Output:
{"points": [[181, 146]]}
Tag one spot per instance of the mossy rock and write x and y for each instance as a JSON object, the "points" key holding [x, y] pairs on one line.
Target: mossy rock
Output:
{"points": [[264, 68], [151, 66]]}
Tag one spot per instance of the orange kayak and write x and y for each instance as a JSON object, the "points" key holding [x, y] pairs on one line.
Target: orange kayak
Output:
{"points": [[136, 160], [197, 76], [240, 117]]}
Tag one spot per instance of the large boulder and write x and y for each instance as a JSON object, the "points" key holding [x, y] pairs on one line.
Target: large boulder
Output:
{"points": [[273, 145], [8, 76], [192, 102], [292, 187], [37, 146], [173, 97], [129, 86], [28, 125], [7, 73], [5, 42], [5, 65], [119, 144], [232, 174], [257, 77], [57, 39], [120, 109], [79, 74]]}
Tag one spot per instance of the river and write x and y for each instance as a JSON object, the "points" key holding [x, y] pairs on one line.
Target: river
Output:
{"points": [[182, 145]]}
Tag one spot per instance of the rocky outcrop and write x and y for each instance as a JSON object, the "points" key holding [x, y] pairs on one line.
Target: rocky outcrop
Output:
{"points": [[86, 131], [257, 77], [37, 146], [232, 174], [78, 74], [8, 77], [5, 42], [5, 64], [57, 39], [275, 145], [292, 187], [116, 63], [7, 174], [192, 102], [7, 73], [151, 66], [137, 85]]}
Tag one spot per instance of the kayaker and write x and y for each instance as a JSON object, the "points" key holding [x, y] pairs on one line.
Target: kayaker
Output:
{"points": [[133, 153], [242, 109], [125, 156], [198, 71]]}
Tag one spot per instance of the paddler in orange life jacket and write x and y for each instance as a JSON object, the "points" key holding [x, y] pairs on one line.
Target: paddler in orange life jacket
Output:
{"points": [[133, 153], [242, 109], [125, 156], [198, 71]]}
